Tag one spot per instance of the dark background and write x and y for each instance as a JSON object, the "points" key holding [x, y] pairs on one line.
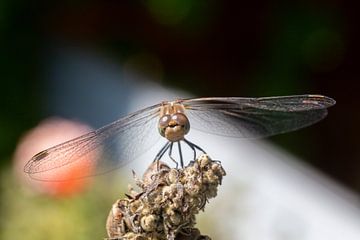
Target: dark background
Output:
{"points": [[209, 48]]}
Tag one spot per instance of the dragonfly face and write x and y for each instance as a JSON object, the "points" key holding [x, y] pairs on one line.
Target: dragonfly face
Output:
{"points": [[173, 123]]}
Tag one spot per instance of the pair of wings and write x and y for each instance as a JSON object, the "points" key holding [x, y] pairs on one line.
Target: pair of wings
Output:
{"points": [[113, 145]]}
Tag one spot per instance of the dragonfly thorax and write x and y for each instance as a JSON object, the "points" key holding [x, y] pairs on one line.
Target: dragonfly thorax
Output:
{"points": [[173, 123]]}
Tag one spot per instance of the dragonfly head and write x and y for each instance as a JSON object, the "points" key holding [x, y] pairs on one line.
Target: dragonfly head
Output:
{"points": [[174, 126]]}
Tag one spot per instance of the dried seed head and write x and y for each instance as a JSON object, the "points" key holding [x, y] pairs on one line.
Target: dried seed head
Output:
{"points": [[155, 169], [175, 218], [203, 161], [173, 176], [149, 222], [166, 206]]}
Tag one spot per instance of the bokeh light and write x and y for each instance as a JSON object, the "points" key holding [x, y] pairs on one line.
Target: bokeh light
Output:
{"points": [[48, 133]]}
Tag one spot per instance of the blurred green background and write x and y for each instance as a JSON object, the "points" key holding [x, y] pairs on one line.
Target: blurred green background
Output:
{"points": [[208, 48]]}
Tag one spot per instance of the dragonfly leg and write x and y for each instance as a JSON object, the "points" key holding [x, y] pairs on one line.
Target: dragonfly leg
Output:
{"points": [[169, 147], [181, 156], [194, 147], [160, 154], [162, 151], [170, 155]]}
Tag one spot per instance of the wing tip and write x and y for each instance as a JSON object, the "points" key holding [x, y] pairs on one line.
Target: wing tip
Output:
{"points": [[27, 167], [322, 100], [36, 158]]}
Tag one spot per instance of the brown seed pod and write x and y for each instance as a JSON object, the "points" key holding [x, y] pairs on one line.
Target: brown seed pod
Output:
{"points": [[167, 203]]}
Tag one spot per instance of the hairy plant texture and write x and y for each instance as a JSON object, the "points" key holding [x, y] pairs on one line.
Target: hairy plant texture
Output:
{"points": [[168, 200]]}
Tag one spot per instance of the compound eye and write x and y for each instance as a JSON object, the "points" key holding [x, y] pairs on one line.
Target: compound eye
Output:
{"points": [[183, 121], [163, 124]]}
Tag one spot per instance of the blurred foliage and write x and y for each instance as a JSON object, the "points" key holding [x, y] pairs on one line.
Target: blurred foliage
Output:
{"points": [[82, 216]]}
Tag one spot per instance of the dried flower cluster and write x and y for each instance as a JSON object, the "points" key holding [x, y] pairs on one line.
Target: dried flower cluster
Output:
{"points": [[166, 206]]}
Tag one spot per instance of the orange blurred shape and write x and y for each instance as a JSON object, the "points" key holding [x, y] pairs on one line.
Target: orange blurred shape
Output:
{"points": [[48, 133]]}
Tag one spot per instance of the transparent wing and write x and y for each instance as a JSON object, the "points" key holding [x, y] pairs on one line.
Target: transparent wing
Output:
{"points": [[255, 117], [99, 151]]}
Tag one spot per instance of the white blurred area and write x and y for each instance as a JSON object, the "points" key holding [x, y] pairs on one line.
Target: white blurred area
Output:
{"points": [[267, 193]]}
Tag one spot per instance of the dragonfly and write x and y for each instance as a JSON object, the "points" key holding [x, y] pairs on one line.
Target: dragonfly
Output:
{"points": [[123, 140]]}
